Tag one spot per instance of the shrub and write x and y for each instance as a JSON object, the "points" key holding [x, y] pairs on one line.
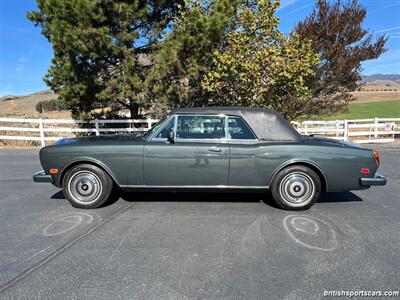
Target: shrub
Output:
{"points": [[51, 105]]}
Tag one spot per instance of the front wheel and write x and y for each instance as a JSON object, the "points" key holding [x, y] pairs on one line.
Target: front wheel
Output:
{"points": [[296, 188], [87, 186]]}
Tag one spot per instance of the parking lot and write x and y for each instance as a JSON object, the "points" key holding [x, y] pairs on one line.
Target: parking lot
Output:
{"points": [[187, 245]]}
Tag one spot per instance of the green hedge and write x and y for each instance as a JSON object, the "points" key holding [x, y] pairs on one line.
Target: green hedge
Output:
{"points": [[51, 105]]}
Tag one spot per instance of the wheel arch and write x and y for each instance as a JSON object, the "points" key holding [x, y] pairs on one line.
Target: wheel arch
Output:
{"points": [[89, 161], [313, 166]]}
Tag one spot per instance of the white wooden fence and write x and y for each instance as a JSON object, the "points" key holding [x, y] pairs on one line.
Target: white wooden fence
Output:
{"points": [[377, 130], [42, 127]]}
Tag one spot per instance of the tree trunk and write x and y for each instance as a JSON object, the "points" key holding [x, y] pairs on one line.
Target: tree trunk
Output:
{"points": [[134, 110]]}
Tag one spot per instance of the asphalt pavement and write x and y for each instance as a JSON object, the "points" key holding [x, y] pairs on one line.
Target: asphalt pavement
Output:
{"points": [[187, 245]]}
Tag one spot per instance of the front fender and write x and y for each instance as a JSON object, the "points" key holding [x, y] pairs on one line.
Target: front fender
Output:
{"points": [[57, 179]]}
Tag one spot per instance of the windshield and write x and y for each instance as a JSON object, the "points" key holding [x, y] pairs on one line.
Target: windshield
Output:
{"points": [[153, 128]]}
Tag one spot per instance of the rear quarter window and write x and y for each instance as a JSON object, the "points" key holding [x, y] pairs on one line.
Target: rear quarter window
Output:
{"points": [[239, 130]]}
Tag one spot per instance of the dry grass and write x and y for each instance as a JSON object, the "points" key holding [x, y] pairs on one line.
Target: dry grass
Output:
{"points": [[366, 97], [378, 93], [18, 144]]}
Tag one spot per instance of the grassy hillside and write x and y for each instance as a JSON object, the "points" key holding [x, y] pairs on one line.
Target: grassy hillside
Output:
{"points": [[25, 106], [382, 109]]}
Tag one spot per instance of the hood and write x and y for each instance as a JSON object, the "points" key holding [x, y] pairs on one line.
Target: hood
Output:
{"points": [[100, 140]]}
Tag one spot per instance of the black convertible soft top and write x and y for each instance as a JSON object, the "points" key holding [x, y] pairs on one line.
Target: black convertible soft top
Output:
{"points": [[266, 124]]}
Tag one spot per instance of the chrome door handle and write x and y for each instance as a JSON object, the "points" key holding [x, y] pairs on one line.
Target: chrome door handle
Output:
{"points": [[215, 149]]}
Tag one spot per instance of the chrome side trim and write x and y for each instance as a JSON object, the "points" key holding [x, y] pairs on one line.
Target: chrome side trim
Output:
{"points": [[226, 123], [175, 125], [197, 187]]}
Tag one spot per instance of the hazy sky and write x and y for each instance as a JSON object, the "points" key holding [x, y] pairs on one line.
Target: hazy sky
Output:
{"points": [[25, 54]]}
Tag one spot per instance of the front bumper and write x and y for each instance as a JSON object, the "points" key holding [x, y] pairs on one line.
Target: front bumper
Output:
{"points": [[376, 180], [41, 176]]}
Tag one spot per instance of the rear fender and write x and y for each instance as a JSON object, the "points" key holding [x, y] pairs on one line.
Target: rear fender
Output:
{"points": [[303, 162]]}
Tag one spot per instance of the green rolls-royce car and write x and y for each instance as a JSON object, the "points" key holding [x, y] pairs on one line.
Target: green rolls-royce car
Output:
{"points": [[213, 149]]}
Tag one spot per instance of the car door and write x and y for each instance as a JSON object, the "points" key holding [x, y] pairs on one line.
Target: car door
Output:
{"points": [[198, 157], [244, 158]]}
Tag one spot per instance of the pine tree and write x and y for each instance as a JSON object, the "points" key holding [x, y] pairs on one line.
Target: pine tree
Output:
{"points": [[186, 55], [97, 50]]}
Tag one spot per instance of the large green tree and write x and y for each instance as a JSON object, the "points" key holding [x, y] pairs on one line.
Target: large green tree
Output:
{"points": [[100, 49], [260, 66], [337, 35], [186, 55]]}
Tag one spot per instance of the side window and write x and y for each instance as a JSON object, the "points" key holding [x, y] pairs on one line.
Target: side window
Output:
{"points": [[238, 129], [163, 134], [200, 127]]}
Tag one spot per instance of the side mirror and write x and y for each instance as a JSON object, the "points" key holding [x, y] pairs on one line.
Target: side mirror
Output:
{"points": [[171, 136]]}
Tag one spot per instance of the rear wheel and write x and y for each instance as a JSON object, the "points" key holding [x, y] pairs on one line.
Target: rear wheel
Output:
{"points": [[296, 188], [87, 186]]}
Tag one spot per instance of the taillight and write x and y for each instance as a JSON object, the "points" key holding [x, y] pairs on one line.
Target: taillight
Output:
{"points": [[377, 157], [364, 171]]}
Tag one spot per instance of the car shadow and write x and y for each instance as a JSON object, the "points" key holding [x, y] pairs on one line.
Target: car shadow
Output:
{"points": [[339, 197], [58, 195], [191, 197], [214, 197], [114, 198]]}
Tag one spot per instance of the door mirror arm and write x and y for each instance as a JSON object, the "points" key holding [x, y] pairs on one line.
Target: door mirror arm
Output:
{"points": [[171, 136]]}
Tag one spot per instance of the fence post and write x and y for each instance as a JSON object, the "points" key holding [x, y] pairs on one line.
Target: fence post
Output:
{"points": [[96, 126], [346, 131], [148, 124], [337, 127], [376, 127], [42, 140]]}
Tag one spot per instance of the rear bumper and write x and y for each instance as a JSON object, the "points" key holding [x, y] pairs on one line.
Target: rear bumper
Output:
{"points": [[42, 177], [376, 180]]}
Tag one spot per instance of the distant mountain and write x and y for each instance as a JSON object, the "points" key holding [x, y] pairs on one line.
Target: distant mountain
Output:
{"points": [[42, 95], [381, 79]]}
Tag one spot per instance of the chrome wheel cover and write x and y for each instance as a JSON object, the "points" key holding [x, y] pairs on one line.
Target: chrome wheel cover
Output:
{"points": [[297, 188], [85, 187]]}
